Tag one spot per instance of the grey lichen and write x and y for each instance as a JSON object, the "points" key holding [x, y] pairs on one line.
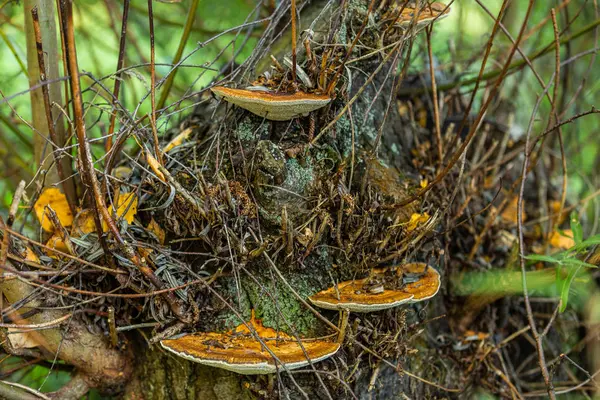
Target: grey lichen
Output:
{"points": [[251, 129], [299, 177]]}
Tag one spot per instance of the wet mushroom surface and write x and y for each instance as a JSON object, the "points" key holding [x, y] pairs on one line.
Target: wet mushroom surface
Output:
{"points": [[385, 288], [241, 351]]}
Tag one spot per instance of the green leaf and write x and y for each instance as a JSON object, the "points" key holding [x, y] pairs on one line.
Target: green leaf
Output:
{"points": [[566, 287], [578, 263], [576, 228], [543, 258], [591, 241]]}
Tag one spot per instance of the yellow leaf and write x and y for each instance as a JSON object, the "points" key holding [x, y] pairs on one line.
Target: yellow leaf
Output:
{"points": [[177, 140], [416, 220], [83, 223], [153, 163], [54, 198], [157, 230], [510, 213], [126, 204], [56, 243], [562, 241], [31, 256]]}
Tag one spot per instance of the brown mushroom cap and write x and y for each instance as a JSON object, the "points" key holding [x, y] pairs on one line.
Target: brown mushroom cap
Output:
{"points": [[425, 15], [273, 106], [351, 296], [427, 286], [240, 352]]}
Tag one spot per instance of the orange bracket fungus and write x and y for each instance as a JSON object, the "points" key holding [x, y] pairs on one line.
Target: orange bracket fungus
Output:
{"points": [[239, 351], [271, 105], [424, 16], [385, 289]]}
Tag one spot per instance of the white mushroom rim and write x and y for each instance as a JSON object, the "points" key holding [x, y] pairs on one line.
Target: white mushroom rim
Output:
{"points": [[249, 368], [360, 307], [273, 106]]}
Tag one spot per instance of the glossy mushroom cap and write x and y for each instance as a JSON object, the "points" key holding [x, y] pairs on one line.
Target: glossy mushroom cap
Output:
{"points": [[240, 352], [273, 106], [352, 295]]}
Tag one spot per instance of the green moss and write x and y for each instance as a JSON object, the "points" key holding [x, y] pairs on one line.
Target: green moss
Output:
{"points": [[228, 320], [278, 307]]}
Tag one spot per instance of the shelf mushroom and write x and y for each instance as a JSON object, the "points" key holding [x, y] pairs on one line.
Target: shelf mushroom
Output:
{"points": [[239, 351], [418, 282], [272, 105], [403, 14]]}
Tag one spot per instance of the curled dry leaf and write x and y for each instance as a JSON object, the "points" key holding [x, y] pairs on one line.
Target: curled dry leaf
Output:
{"points": [[57, 243], [21, 340], [83, 223], [54, 198], [126, 204], [154, 166], [178, 140], [155, 228]]}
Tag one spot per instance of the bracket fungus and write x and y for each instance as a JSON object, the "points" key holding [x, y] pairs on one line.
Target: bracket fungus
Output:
{"points": [[239, 351], [405, 14], [273, 105], [385, 288]]}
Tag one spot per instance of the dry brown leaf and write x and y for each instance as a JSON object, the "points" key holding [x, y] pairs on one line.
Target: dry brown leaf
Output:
{"points": [[54, 198], [157, 230], [21, 340]]}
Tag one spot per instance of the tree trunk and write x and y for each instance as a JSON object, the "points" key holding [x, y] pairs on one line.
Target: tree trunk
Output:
{"points": [[273, 161]]}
